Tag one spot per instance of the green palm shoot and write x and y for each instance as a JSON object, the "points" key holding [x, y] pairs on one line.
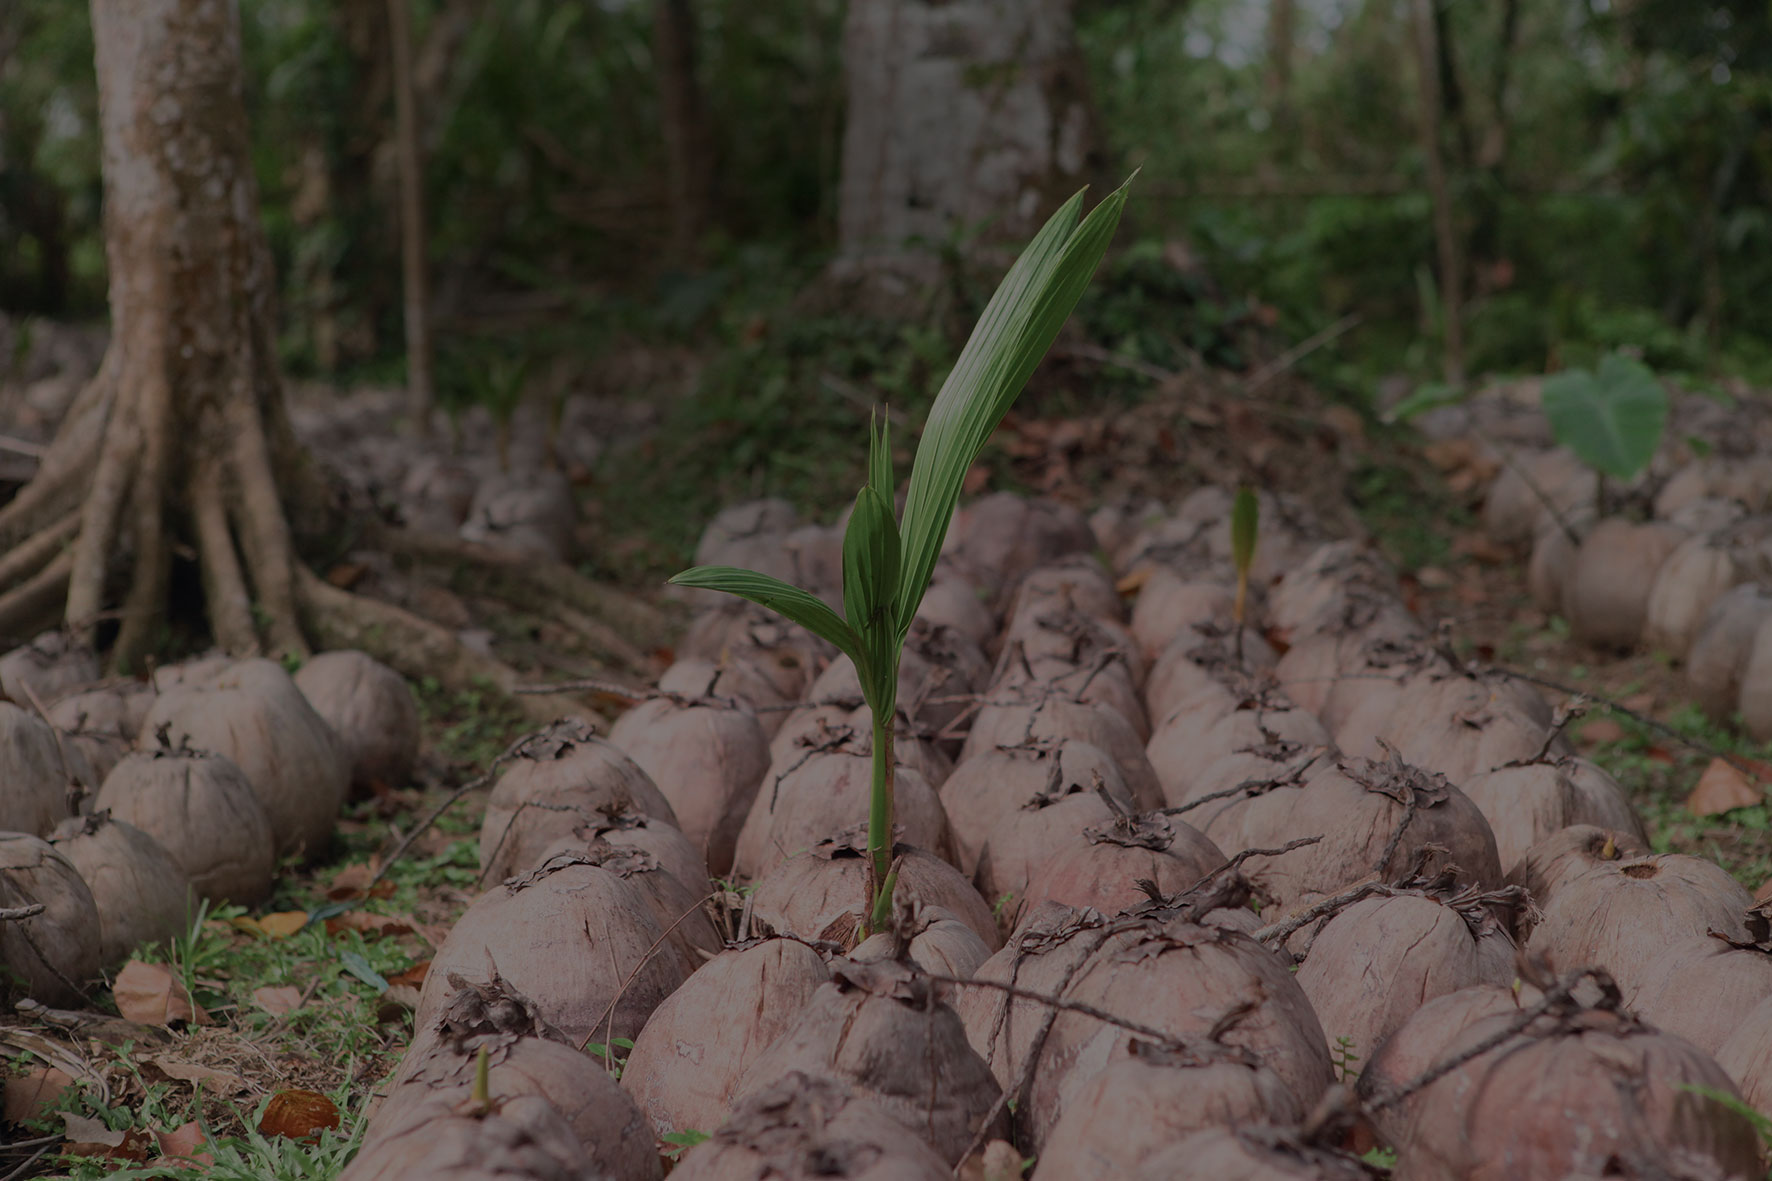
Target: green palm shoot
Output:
{"points": [[1245, 521], [888, 562]]}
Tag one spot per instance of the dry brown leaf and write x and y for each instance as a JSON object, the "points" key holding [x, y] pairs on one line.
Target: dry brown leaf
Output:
{"points": [[1601, 731], [31, 1094], [1722, 788], [80, 1129], [283, 924], [298, 1115], [183, 1143], [412, 977], [153, 995], [216, 1082], [365, 923], [999, 1161], [358, 881], [277, 1000]]}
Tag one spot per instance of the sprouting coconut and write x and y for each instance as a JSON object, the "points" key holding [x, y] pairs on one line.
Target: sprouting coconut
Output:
{"points": [[45, 669], [708, 758], [1113, 865], [141, 893], [986, 790], [883, 1029], [577, 939], [1725, 641], [1702, 985], [1252, 1153], [1031, 712], [1516, 509], [1574, 1088], [1694, 576], [1527, 802], [822, 792], [1378, 960], [1623, 915], [50, 956], [38, 781], [371, 709], [1565, 855], [822, 894], [561, 778], [253, 713], [1172, 604], [1152, 1096], [927, 937], [686, 1063], [1419, 1045], [1199, 659], [1606, 594], [806, 1127], [202, 810], [1201, 731]]}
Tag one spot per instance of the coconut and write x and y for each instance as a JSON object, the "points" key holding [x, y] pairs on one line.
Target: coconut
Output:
{"points": [[201, 809], [1030, 712], [674, 905], [1153, 1096], [370, 708], [1718, 659], [928, 937], [1050, 627], [1565, 855], [531, 512], [1333, 673], [1532, 491], [884, 1030], [1330, 587], [1462, 725], [742, 522], [1200, 733], [985, 791], [561, 778], [804, 1127], [1701, 986], [1553, 558], [1108, 866], [736, 681], [708, 760], [49, 956], [1380, 959], [1171, 604], [937, 670], [953, 602], [1568, 1093], [1251, 1153], [1197, 661], [815, 553], [436, 494], [609, 1129], [1374, 818], [253, 713], [1526, 802], [1747, 480], [789, 655], [1623, 915], [38, 780], [686, 1063], [1746, 1054], [45, 669], [1755, 698], [141, 893], [1000, 537], [1606, 593], [523, 1138], [822, 893], [803, 802], [1024, 841], [1419, 1045], [1694, 576], [1079, 582], [110, 710], [578, 939], [1107, 683]]}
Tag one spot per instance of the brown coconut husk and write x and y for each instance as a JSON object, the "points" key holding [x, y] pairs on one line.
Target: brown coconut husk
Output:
{"points": [[1462, 725], [1107, 682], [372, 711], [1017, 714], [1001, 537], [1746, 1054], [1534, 491], [765, 517], [1079, 581], [1702, 985], [789, 655], [1333, 673], [686, 1063], [1623, 915], [47, 668], [40, 789], [579, 940], [1200, 733], [1376, 818], [1755, 699], [805, 1126], [1152, 1096], [707, 758], [202, 810], [927, 937], [677, 907], [1421, 1043], [883, 1029], [1553, 557], [821, 792], [50, 955], [1568, 1091], [141, 893], [937, 672], [113, 710], [822, 894], [1527, 802], [1024, 841], [1745, 479], [1606, 593], [1115, 865], [986, 790], [1693, 577], [252, 713], [523, 1138], [1331, 587], [1253, 1153], [953, 602], [1565, 855], [1172, 603], [1052, 628], [561, 777], [1203, 658], [735, 681], [1368, 967], [1725, 641], [530, 512]]}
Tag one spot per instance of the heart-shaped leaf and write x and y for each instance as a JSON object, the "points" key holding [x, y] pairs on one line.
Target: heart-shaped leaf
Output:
{"points": [[1612, 419]]}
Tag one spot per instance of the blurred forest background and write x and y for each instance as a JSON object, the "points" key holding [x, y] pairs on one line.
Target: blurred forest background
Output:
{"points": [[639, 197]]}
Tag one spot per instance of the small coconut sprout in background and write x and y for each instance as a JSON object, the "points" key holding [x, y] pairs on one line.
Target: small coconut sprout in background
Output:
{"points": [[1245, 521], [887, 563]]}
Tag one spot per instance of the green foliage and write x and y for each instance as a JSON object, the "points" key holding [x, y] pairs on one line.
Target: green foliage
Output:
{"points": [[253, 1156], [1612, 419]]}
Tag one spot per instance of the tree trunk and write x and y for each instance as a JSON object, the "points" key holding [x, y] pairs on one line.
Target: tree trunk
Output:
{"points": [[1445, 225], [420, 397], [963, 115], [688, 146], [182, 441]]}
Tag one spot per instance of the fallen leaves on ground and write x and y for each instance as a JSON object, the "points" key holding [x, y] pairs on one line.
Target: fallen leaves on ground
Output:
{"points": [[93, 1137], [203, 1078], [298, 1115], [183, 1144], [354, 881], [32, 1094], [280, 925], [365, 923], [277, 999], [153, 995], [1722, 788]]}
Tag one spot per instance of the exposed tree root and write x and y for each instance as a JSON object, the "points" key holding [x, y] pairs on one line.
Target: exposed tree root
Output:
{"points": [[36, 603], [28, 557]]}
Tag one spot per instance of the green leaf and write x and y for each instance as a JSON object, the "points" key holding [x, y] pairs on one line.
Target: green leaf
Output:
{"points": [[880, 458], [1612, 419], [1012, 336], [870, 568], [798, 606], [1428, 396], [359, 967], [1245, 520]]}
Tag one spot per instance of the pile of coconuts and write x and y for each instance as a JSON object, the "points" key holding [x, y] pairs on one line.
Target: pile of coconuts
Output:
{"points": [[1677, 561], [127, 804], [1167, 887]]}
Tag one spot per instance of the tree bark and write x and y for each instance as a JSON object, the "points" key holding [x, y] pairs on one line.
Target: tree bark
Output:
{"points": [[420, 395], [688, 146], [1445, 223]]}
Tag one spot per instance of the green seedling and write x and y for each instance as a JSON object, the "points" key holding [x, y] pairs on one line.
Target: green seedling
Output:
{"points": [[1612, 419], [1245, 522], [888, 562]]}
